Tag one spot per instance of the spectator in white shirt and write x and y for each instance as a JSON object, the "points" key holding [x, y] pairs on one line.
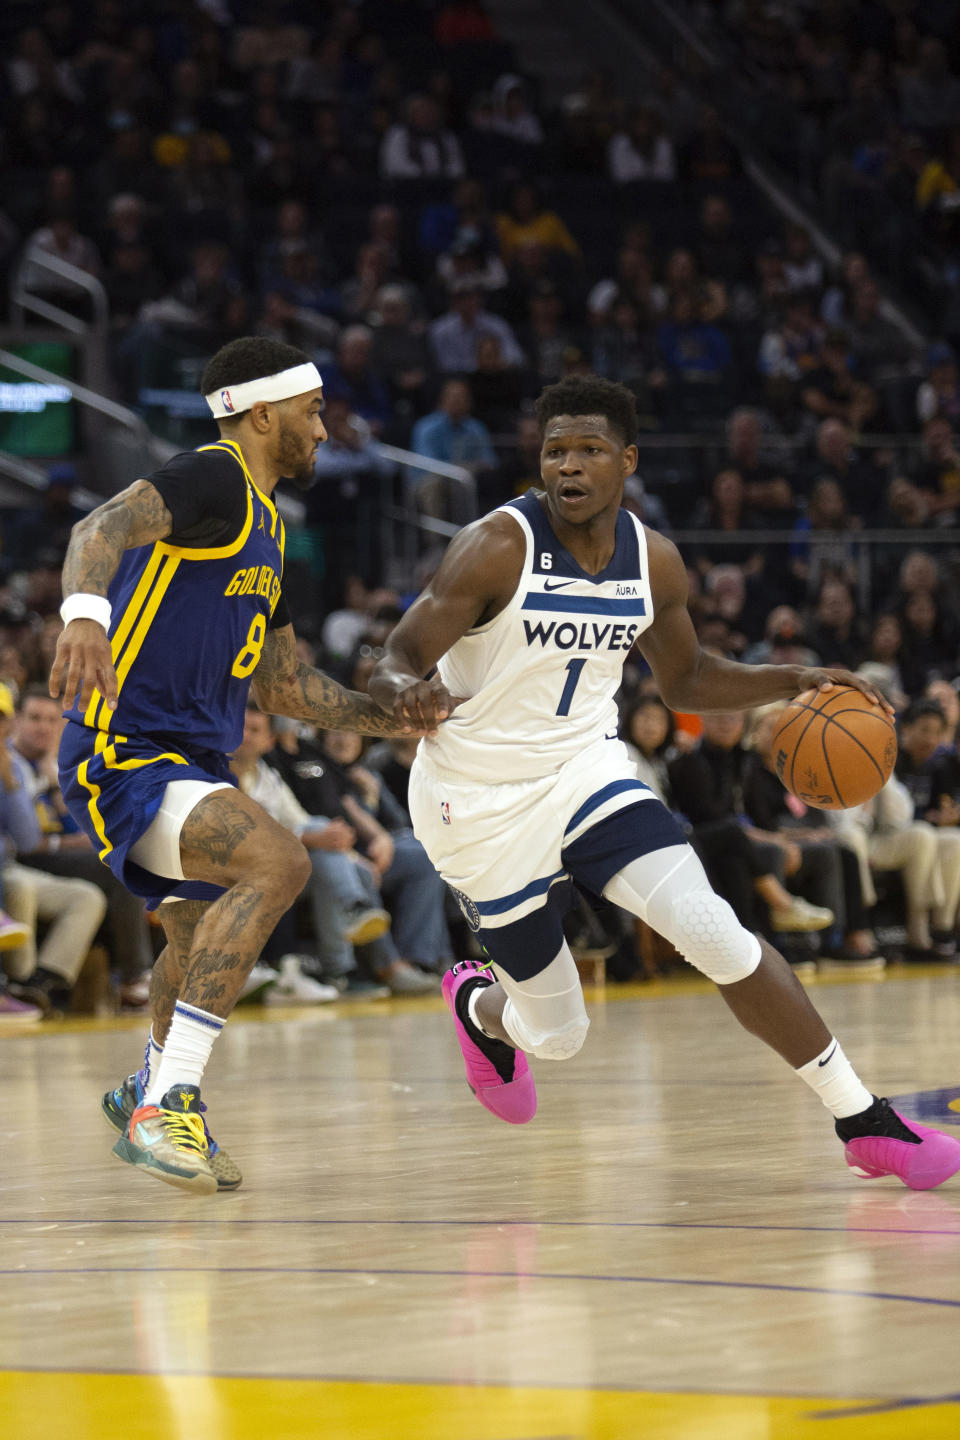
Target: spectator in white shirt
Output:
{"points": [[420, 148], [641, 151], [454, 335]]}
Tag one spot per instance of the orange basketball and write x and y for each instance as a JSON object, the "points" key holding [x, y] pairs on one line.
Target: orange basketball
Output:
{"points": [[833, 749]]}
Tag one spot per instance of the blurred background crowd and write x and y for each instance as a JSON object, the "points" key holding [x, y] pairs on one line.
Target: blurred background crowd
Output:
{"points": [[450, 204]]}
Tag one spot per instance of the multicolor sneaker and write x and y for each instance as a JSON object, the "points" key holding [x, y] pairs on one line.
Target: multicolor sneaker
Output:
{"points": [[118, 1106], [917, 1155], [169, 1141], [497, 1074]]}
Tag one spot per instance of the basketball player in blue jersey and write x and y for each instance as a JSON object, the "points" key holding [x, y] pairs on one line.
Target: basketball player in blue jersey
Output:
{"points": [[527, 622], [174, 608]]}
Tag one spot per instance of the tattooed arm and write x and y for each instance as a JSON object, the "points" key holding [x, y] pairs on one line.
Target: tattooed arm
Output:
{"points": [[284, 685], [137, 516]]}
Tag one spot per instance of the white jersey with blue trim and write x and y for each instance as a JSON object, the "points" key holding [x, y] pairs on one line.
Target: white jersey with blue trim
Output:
{"points": [[542, 676]]}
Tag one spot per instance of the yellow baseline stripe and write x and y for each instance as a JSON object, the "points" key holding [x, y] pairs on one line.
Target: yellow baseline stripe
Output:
{"points": [[94, 792], [54, 1406], [118, 639], [167, 571]]}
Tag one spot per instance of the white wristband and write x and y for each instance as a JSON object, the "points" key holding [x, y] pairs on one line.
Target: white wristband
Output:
{"points": [[86, 607]]}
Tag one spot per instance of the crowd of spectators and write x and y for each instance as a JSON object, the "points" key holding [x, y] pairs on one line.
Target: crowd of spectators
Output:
{"points": [[444, 245], [860, 101]]}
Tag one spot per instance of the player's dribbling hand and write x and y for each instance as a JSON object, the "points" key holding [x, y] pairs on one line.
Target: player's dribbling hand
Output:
{"points": [[826, 679], [83, 663], [425, 705]]}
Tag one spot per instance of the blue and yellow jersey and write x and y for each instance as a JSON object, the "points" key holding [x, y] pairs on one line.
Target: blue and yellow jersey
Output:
{"points": [[190, 613]]}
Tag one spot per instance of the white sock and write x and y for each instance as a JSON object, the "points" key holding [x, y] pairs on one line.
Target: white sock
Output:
{"points": [[151, 1058], [189, 1042], [472, 999], [831, 1076]]}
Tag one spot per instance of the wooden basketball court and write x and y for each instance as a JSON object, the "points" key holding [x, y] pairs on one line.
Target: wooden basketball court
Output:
{"points": [[673, 1250]]}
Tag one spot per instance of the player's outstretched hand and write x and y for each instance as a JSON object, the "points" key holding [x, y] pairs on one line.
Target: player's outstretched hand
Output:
{"points": [[83, 662], [423, 706], [826, 679]]}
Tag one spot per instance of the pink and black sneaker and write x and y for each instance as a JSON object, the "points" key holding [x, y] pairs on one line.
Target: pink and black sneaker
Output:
{"points": [[497, 1074], [881, 1142]]}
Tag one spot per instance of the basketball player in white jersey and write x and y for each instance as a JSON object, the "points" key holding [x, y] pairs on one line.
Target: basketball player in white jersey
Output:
{"points": [[523, 632]]}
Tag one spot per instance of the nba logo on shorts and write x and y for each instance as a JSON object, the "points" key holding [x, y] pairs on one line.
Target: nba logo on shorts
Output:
{"points": [[445, 811], [226, 402]]}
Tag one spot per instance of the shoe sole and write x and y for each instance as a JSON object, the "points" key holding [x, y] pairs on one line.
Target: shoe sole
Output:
{"points": [[225, 1169], [370, 929], [194, 1182]]}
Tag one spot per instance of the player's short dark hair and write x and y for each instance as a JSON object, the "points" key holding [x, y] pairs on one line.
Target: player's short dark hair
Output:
{"points": [[921, 708], [249, 358], [590, 395]]}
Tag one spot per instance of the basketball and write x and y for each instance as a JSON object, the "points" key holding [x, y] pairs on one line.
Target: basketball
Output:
{"points": [[833, 749]]}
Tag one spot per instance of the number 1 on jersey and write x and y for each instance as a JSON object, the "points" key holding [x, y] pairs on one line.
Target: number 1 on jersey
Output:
{"points": [[574, 670]]}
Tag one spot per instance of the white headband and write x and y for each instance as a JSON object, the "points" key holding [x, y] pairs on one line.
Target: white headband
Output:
{"points": [[224, 403]]}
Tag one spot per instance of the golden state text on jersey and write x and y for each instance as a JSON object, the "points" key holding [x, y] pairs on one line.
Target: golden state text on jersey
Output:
{"points": [[188, 627]]}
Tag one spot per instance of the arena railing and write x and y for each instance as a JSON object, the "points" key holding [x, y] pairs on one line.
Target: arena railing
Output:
{"points": [[90, 334], [405, 531], [121, 443]]}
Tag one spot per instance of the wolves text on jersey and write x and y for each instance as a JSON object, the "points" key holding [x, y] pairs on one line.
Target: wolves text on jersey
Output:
{"points": [[586, 635]]}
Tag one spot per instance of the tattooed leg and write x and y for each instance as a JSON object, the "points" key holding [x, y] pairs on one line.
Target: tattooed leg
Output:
{"points": [[179, 922], [231, 841]]}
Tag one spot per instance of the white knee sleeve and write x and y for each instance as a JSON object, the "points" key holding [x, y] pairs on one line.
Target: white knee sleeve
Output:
{"points": [[707, 933], [669, 889], [545, 1016]]}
